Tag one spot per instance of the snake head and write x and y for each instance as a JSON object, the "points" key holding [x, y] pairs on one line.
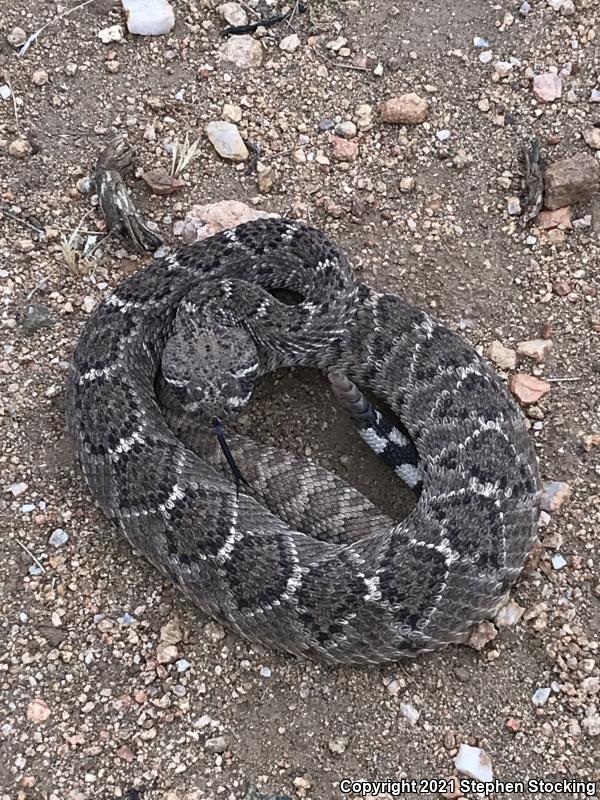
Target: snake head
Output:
{"points": [[210, 372]]}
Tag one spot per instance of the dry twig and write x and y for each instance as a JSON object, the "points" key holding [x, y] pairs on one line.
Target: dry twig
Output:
{"points": [[339, 64], [14, 102], [21, 221], [533, 182], [30, 554], [39, 285], [115, 202]]}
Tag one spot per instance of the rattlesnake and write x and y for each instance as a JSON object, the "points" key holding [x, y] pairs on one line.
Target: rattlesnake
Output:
{"points": [[295, 558]]}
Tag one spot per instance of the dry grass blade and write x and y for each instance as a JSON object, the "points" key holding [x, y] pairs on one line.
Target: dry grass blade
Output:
{"points": [[70, 253], [34, 36], [69, 248], [183, 155]]}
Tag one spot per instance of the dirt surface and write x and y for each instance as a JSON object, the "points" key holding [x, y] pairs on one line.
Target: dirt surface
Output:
{"points": [[86, 709]]}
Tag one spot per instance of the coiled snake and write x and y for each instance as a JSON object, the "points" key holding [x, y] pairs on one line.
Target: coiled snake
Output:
{"points": [[294, 557]]}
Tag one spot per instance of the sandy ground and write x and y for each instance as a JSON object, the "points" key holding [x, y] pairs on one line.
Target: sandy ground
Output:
{"points": [[87, 710]]}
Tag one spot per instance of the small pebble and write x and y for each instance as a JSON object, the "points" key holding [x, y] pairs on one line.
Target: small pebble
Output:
{"points": [[16, 37], [171, 632], [344, 150], [85, 185], [232, 113], [571, 180], [20, 148], [592, 137], [40, 77], [38, 711], [407, 109], [509, 614], [528, 389], [591, 441], [161, 182], [503, 68], [218, 744], [149, 17], [565, 7], [591, 725], [242, 51], [17, 489], [557, 218], [338, 746], [290, 44], [558, 561], [214, 631], [410, 713], [347, 129], [35, 317], [536, 349], [227, 141], [555, 495], [233, 14], [166, 653], [541, 695], [364, 117], [112, 34], [474, 762], [502, 356], [514, 206], [482, 634], [547, 87], [58, 538]]}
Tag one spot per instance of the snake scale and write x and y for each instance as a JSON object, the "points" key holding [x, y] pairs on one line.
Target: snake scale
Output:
{"points": [[296, 558]]}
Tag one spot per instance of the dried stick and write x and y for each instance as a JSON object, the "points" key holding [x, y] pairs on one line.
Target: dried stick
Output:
{"points": [[14, 102], [115, 201], [533, 182], [340, 64], [269, 22], [21, 221], [30, 554]]}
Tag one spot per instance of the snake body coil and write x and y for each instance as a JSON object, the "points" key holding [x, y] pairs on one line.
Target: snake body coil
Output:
{"points": [[300, 561]]}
